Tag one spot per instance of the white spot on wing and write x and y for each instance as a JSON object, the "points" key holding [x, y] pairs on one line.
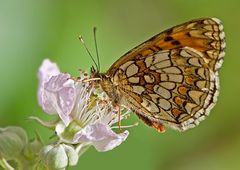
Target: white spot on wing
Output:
{"points": [[125, 65], [161, 56], [160, 65], [163, 103], [133, 79], [131, 70], [149, 78], [175, 78], [138, 89], [150, 106], [167, 85], [173, 70], [194, 61], [162, 92], [149, 61]]}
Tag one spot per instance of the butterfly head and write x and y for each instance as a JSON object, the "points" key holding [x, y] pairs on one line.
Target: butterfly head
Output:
{"points": [[98, 77], [105, 82], [94, 73]]}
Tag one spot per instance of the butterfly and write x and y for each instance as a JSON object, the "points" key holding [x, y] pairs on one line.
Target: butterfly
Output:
{"points": [[172, 78]]}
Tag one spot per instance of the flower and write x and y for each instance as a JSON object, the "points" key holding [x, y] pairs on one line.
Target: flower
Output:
{"points": [[58, 156], [87, 116], [13, 139], [16, 150]]}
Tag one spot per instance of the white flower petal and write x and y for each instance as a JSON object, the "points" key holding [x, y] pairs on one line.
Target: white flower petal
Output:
{"points": [[58, 96], [100, 136], [45, 72]]}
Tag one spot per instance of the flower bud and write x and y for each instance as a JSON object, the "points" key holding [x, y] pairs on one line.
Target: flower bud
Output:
{"points": [[58, 157], [72, 155], [12, 142]]}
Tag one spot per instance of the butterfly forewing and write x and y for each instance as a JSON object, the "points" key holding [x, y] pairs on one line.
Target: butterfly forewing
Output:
{"points": [[205, 35], [171, 79]]}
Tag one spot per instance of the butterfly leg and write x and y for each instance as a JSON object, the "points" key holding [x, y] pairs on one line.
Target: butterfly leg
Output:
{"points": [[119, 116], [118, 108]]}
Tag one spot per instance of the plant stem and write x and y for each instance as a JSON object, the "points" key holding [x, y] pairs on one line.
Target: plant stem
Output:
{"points": [[5, 164]]}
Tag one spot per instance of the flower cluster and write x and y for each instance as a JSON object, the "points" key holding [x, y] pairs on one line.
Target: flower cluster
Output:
{"points": [[85, 117]]}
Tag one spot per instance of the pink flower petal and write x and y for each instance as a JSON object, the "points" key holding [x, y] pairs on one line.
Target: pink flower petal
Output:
{"points": [[45, 72], [59, 96], [56, 92], [100, 136]]}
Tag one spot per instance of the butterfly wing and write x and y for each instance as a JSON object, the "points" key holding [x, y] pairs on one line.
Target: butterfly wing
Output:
{"points": [[204, 35], [172, 78]]}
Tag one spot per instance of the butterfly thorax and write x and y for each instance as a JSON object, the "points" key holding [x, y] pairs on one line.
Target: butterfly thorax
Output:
{"points": [[111, 88], [108, 86]]}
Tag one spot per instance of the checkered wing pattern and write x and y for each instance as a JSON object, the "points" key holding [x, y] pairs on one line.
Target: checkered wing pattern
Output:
{"points": [[171, 79]]}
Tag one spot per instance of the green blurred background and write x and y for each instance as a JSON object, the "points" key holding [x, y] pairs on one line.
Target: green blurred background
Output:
{"points": [[33, 30]]}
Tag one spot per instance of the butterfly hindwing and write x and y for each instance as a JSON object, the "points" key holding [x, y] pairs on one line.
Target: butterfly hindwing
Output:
{"points": [[171, 79]]}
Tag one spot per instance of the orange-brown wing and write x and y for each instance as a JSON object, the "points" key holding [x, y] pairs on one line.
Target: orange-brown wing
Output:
{"points": [[172, 79], [174, 87], [204, 35]]}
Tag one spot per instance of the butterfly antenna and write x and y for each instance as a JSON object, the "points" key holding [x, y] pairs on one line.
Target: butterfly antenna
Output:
{"points": [[82, 41], [96, 47]]}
